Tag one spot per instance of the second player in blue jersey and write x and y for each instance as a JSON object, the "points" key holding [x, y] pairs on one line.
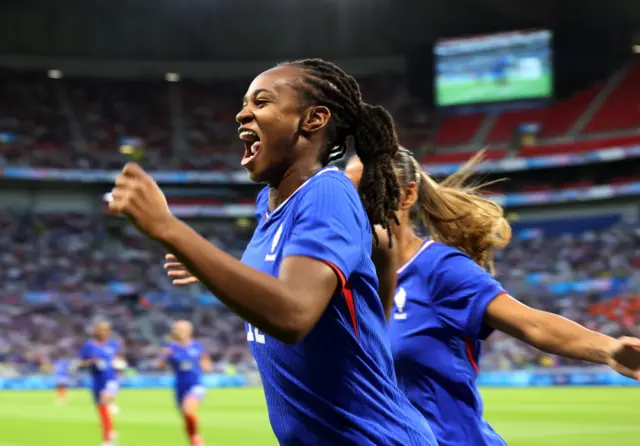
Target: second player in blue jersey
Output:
{"points": [[447, 303], [100, 356], [187, 360]]}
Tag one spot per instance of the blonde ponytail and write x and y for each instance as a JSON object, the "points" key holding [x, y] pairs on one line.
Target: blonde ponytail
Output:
{"points": [[457, 215]]}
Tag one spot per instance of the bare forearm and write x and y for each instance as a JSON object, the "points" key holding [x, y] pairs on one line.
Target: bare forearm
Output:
{"points": [[558, 335], [258, 298]]}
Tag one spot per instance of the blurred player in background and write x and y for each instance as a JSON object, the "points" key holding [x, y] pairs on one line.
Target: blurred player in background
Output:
{"points": [[63, 368], [101, 355], [447, 304], [188, 360], [306, 285]]}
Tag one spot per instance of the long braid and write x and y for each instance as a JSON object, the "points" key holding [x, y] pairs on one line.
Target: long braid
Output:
{"points": [[371, 128]]}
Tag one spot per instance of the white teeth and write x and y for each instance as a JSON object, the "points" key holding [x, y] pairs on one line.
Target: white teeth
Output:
{"points": [[248, 134]]}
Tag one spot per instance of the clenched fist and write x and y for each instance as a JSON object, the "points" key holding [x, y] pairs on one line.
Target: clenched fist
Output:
{"points": [[137, 196], [624, 357]]}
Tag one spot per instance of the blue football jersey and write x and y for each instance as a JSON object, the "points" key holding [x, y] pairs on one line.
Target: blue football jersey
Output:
{"points": [[62, 368], [337, 385], [184, 360], [102, 369], [436, 331]]}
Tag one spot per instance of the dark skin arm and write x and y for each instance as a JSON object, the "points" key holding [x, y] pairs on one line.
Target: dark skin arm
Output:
{"points": [[385, 260], [286, 307]]}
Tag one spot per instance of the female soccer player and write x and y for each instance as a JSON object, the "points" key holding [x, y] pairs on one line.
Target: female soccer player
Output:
{"points": [[187, 360], [306, 285], [61, 369], [447, 303], [100, 355]]}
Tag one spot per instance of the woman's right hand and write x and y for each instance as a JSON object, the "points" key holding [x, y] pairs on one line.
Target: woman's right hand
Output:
{"points": [[179, 274]]}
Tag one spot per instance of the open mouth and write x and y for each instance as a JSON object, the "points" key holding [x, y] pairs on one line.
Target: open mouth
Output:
{"points": [[251, 142]]}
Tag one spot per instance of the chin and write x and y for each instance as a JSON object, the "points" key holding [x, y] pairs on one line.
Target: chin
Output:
{"points": [[254, 175]]}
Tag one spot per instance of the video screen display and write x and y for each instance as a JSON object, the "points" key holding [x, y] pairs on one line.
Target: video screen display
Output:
{"points": [[494, 68]]}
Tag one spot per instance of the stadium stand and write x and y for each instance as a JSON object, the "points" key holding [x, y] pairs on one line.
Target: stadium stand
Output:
{"points": [[621, 109]]}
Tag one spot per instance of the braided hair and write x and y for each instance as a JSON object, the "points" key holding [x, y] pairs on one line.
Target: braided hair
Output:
{"points": [[371, 128]]}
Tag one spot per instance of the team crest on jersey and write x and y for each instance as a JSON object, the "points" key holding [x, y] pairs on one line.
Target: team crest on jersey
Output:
{"points": [[271, 256], [400, 299], [193, 352]]}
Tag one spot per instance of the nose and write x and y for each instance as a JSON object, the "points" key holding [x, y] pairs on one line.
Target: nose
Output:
{"points": [[244, 116]]}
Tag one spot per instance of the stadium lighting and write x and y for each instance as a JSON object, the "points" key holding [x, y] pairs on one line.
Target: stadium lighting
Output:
{"points": [[636, 49], [172, 77], [54, 74]]}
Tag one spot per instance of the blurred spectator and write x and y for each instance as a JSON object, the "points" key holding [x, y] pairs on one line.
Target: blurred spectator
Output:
{"points": [[60, 273]]}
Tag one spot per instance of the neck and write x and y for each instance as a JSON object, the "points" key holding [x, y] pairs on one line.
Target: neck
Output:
{"points": [[408, 242], [293, 178]]}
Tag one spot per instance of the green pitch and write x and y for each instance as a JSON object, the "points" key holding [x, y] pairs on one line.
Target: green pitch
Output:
{"points": [[525, 417], [488, 90]]}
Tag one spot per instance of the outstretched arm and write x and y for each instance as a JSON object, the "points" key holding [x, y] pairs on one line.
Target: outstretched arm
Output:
{"points": [[385, 260], [286, 307], [557, 335], [469, 299], [206, 363]]}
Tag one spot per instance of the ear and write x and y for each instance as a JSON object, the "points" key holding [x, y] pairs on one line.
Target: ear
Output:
{"points": [[409, 196], [315, 119]]}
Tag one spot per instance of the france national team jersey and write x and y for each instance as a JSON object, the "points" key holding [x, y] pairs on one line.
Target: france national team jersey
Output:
{"points": [[103, 374], [62, 370], [336, 386], [436, 332], [185, 363]]}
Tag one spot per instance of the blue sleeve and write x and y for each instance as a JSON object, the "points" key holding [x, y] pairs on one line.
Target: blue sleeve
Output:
{"points": [[327, 226], [166, 352], [85, 351], [461, 292]]}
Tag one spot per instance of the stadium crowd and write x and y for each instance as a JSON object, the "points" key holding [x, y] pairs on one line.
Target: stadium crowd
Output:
{"points": [[62, 272], [82, 123]]}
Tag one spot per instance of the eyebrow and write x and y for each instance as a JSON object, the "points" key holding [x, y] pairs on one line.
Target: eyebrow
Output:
{"points": [[255, 93]]}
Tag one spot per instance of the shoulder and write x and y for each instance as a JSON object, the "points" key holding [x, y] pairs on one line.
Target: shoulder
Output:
{"points": [[329, 180], [330, 191], [436, 253], [452, 269], [436, 262]]}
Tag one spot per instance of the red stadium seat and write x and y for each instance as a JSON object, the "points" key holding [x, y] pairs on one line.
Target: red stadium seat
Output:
{"points": [[621, 110], [457, 130]]}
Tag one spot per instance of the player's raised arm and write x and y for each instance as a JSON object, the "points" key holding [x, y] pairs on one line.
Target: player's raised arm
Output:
{"points": [[162, 361], [86, 357], [555, 334], [206, 363], [277, 306]]}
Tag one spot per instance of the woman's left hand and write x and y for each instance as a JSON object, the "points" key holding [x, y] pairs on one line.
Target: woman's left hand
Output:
{"points": [[138, 197], [624, 357]]}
